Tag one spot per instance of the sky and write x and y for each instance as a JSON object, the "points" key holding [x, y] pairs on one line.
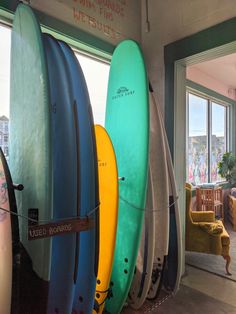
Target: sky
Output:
{"points": [[96, 75], [198, 117]]}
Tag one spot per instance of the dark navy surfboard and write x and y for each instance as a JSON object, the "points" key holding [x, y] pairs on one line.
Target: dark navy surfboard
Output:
{"points": [[87, 242]]}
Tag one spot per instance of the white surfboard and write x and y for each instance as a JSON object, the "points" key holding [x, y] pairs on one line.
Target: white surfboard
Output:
{"points": [[158, 164], [5, 244], [172, 268], [143, 271], [144, 277]]}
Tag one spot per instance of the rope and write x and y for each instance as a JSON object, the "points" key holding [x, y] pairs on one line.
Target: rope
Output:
{"points": [[148, 209], [93, 210], [49, 221]]}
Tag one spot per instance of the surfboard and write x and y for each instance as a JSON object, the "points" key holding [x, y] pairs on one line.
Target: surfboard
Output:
{"points": [[160, 203], [30, 150], [108, 193], [5, 239], [144, 264], [65, 168], [159, 171], [173, 266], [127, 123], [9, 246], [87, 243]]}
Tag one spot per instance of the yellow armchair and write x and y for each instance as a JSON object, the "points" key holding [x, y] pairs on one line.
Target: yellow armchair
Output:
{"points": [[204, 233]]}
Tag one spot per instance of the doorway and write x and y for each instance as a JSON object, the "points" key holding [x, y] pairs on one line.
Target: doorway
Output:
{"points": [[212, 43]]}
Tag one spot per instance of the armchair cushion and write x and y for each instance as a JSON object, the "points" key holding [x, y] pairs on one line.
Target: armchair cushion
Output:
{"points": [[206, 216]]}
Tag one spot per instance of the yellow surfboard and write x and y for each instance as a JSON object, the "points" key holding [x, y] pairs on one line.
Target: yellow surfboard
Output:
{"points": [[108, 194]]}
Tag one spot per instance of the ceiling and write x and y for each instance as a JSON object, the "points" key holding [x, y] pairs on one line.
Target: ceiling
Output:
{"points": [[223, 69]]}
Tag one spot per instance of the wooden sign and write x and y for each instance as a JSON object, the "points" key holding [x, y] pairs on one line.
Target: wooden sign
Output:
{"points": [[36, 232]]}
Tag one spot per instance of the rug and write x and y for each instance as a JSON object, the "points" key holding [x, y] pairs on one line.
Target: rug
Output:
{"points": [[213, 263]]}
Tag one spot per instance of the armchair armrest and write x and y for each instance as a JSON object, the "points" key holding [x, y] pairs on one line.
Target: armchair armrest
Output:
{"points": [[206, 216]]}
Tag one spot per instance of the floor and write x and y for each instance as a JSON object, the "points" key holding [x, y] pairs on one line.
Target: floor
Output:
{"points": [[200, 293], [214, 263]]}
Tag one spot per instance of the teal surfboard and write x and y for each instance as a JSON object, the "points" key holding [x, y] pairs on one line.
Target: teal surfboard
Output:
{"points": [[30, 149], [127, 123]]}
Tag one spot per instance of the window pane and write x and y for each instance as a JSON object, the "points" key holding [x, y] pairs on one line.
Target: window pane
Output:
{"points": [[5, 46], [218, 139], [197, 140], [96, 75]]}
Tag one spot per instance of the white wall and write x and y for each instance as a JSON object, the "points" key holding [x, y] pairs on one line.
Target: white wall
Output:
{"points": [[204, 79], [171, 20], [111, 21]]}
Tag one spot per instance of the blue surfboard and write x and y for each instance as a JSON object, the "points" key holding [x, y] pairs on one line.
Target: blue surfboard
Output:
{"points": [[87, 242], [65, 182]]}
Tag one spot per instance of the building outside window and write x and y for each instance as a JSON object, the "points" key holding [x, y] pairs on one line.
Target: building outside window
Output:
{"points": [[4, 134], [6, 127], [207, 137]]}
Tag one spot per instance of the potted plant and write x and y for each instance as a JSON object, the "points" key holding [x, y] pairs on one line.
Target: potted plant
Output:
{"points": [[227, 167]]}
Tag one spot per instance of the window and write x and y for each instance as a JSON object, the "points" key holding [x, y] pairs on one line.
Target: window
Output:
{"points": [[96, 75], [207, 137], [5, 46]]}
